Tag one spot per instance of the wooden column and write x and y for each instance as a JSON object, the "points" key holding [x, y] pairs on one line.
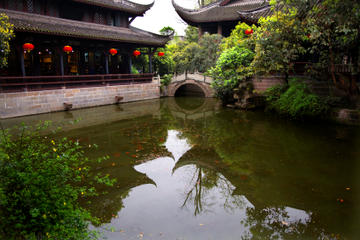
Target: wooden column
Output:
{"points": [[61, 54], [106, 63], [22, 61], [150, 60], [219, 29], [130, 62], [201, 31]]}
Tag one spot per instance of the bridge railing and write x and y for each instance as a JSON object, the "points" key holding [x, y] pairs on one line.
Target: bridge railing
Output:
{"points": [[192, 76]]}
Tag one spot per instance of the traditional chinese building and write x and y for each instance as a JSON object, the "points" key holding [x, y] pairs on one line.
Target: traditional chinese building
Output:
{"points": [[75, 54], [222, 16], [90, 27]]}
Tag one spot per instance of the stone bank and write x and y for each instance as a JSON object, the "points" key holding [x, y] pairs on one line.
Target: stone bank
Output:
{"points": [[36, 102]]}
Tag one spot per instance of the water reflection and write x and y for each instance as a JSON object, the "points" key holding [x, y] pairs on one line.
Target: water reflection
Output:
{"points": [[203, 172], [177, 146]]}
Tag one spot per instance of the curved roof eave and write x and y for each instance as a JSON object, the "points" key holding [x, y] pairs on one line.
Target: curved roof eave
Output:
{"points": [[27, 22], [120, 5], [254, 15], [217, 13]]}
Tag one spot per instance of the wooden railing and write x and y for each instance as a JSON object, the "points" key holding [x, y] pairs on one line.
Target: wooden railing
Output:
{"points": [[301, 67], [36, 83]]}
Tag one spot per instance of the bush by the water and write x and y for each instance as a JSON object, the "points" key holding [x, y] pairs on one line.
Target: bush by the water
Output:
{"points": [[41, 180], [231, 68], [295, 100]]}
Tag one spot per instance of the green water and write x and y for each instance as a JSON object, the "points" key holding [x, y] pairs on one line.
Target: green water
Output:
{"points": [[188, 169]]}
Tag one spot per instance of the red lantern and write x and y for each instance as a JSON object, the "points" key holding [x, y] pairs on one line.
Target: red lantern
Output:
{"points": [[249, 31], [67, 49], [113, 51], [160, 54], [136, 53], [28, 47]]}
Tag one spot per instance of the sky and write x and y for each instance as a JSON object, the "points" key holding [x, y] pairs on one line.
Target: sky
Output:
{"points": [[163, 14]]}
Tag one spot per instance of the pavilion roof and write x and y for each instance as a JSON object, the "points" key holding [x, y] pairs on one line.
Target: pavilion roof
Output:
{"points": [[120, 5], [219, 11], [28, 22], [253, 16]]}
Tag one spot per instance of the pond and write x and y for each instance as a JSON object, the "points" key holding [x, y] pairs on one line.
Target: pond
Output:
{"points": [[186, 168]]}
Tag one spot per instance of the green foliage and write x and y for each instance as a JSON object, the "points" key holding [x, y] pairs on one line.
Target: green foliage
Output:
{"points": [[191, 34], [208, 52], [296, 101], [184, 56], [192, 56], [234, 63], [279, 41], [232, 67], [335, 36], [41, 180], [205, 2], [167, 30], [164, 64], [134, 70], [6, 34], [166, 79], [238, 38]]}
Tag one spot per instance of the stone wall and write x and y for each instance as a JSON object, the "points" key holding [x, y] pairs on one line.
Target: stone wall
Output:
{"points": [[261, 83], [35, 102]]}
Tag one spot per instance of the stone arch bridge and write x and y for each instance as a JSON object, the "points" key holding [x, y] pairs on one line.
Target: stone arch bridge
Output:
{"points": [[190, 84]]}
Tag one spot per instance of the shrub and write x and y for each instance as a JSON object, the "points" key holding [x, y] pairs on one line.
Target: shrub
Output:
{"points": [[296, 101], [163, 64], [232, 67], [41, 180], [166, 79], [6, 34]]}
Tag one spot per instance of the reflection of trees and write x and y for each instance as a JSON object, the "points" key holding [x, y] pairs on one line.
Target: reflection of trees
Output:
{"points": [[274, 223], [109, 202], [196, 196], [206, 178]]}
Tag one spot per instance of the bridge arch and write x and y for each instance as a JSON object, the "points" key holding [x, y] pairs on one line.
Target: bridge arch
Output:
{"points": [[205, 87]]}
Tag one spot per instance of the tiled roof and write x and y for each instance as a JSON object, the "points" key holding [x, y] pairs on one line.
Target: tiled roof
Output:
{"points": [[223, 10], [254, 15], [121, 5], [27, 22]]}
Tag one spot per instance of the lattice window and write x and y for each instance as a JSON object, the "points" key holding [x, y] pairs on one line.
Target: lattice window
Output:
{"points": [[29, 5], [12, 5], [96, 17], [99, 18]]}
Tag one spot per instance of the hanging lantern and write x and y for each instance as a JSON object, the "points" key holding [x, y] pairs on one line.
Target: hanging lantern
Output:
{"points": [[160, 54], [68, 49], [136, 53], [113, 51], [249, 31], [28, 47]]}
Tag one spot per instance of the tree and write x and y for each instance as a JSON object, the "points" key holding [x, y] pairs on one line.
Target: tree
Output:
{"points": [[167, 30], [279, 41], [233, 65], [205, 2], [191, 34], [41, 180], [6, 34], [335, 35]]}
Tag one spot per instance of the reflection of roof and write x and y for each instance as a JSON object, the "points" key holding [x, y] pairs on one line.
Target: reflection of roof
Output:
{"points": [[224, 10], [27, 22], [199, 156], [121, 5]]}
